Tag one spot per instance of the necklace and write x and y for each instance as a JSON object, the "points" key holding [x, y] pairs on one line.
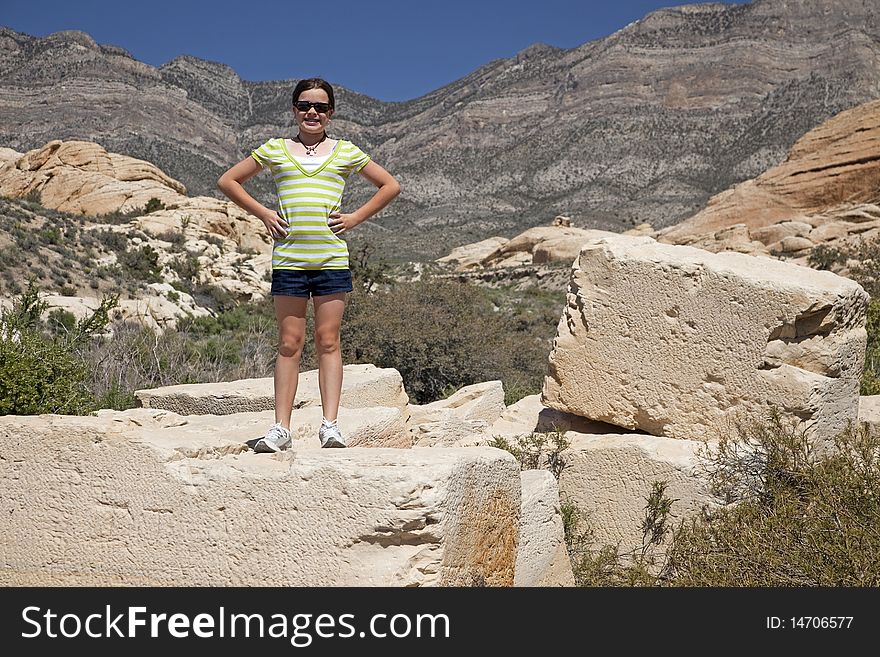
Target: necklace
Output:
{"points": [[310, 150]]}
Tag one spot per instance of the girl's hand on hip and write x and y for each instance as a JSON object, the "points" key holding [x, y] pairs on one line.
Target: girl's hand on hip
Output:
{"points": [[276, 225], [339, 223]]}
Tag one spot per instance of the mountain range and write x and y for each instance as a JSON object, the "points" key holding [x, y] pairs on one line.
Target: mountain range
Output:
{"points": [[641, 126]]}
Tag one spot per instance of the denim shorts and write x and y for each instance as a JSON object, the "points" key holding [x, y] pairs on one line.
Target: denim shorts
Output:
{"points": [[310, 282]]}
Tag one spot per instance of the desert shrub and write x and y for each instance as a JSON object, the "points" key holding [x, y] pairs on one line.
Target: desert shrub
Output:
{"points": [[440, 334], [215, 240], [212, 296], [34, 197], [865, 270], [42, 372], [61, 322], [536, 450], [135, 357], [367, 269], [592, 564], [141, 264], [609, 565], [796, 516], [111, 240], [239, 345], [871, 372], [174, 237], [791, 515], [825, 257], [187, 267], [50, 235], [153, 205]]}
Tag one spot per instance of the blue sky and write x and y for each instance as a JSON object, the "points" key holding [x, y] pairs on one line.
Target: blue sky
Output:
{"points": [[387, 49]]}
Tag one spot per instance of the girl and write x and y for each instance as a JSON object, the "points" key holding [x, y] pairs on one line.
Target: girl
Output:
{"points": [[310, 258]]}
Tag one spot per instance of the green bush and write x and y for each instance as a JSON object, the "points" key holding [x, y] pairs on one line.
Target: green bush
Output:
{"points": [[153, 205], [238, 344], [608, 565], [825, 257], [792, 515], [871, 371], [140, 264], [797, 516], [42, 373], [865, 270], [440, 334], [536, 450]]}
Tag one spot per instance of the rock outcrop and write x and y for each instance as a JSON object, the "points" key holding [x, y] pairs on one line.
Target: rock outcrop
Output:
{"points": [[231, 249], [83, 178], [105, 501], [469, 256], [535, 257], [825, 192], [542, 557], [679, 342], [541, 245], [453, 421], [363, 385], [609, 478]]}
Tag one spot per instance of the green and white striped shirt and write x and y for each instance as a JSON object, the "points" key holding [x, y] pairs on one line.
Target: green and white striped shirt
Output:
{"points": [[306, 197]]}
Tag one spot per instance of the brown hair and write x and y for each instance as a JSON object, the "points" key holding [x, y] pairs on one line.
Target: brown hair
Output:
{"points": [[314, 83]]}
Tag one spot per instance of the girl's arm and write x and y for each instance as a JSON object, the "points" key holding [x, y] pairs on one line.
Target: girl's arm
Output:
{"points": [[388, 189], [230, 183]]}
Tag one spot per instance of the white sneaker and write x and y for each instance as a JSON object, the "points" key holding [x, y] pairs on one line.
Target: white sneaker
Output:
{"points": [[276, 439], [330, 435]]}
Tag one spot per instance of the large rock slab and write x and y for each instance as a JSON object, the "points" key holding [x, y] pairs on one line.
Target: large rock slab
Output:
{"points": [[608, 478], [82, 177], [468, 411], [469, 256], [94, 501], [377, 426], [680, 342], [542, 244], [363, 385], [542, 558]]}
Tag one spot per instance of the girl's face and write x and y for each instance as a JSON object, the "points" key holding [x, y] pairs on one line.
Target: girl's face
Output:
{"points": [[310, 121]]}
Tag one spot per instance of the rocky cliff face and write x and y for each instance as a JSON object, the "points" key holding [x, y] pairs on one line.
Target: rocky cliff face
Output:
{"points": [[644, 125], [826, 192]]}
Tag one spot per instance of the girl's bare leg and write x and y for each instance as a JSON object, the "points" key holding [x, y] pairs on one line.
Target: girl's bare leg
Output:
{"points": [[291, 315], [328, 319]]}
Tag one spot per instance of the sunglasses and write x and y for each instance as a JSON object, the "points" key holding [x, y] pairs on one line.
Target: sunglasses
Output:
{"points": [[306, 105]]}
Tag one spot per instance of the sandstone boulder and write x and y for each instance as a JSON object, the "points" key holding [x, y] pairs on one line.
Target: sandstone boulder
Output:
{"points": [[92, 503], [831, 175], [376, 426], [529, 415], [679, 342], [467, 412], [469, 256], [157, 312], [542, 244], [363, 385], [608, 478], [83, 178], [869, 410]]}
